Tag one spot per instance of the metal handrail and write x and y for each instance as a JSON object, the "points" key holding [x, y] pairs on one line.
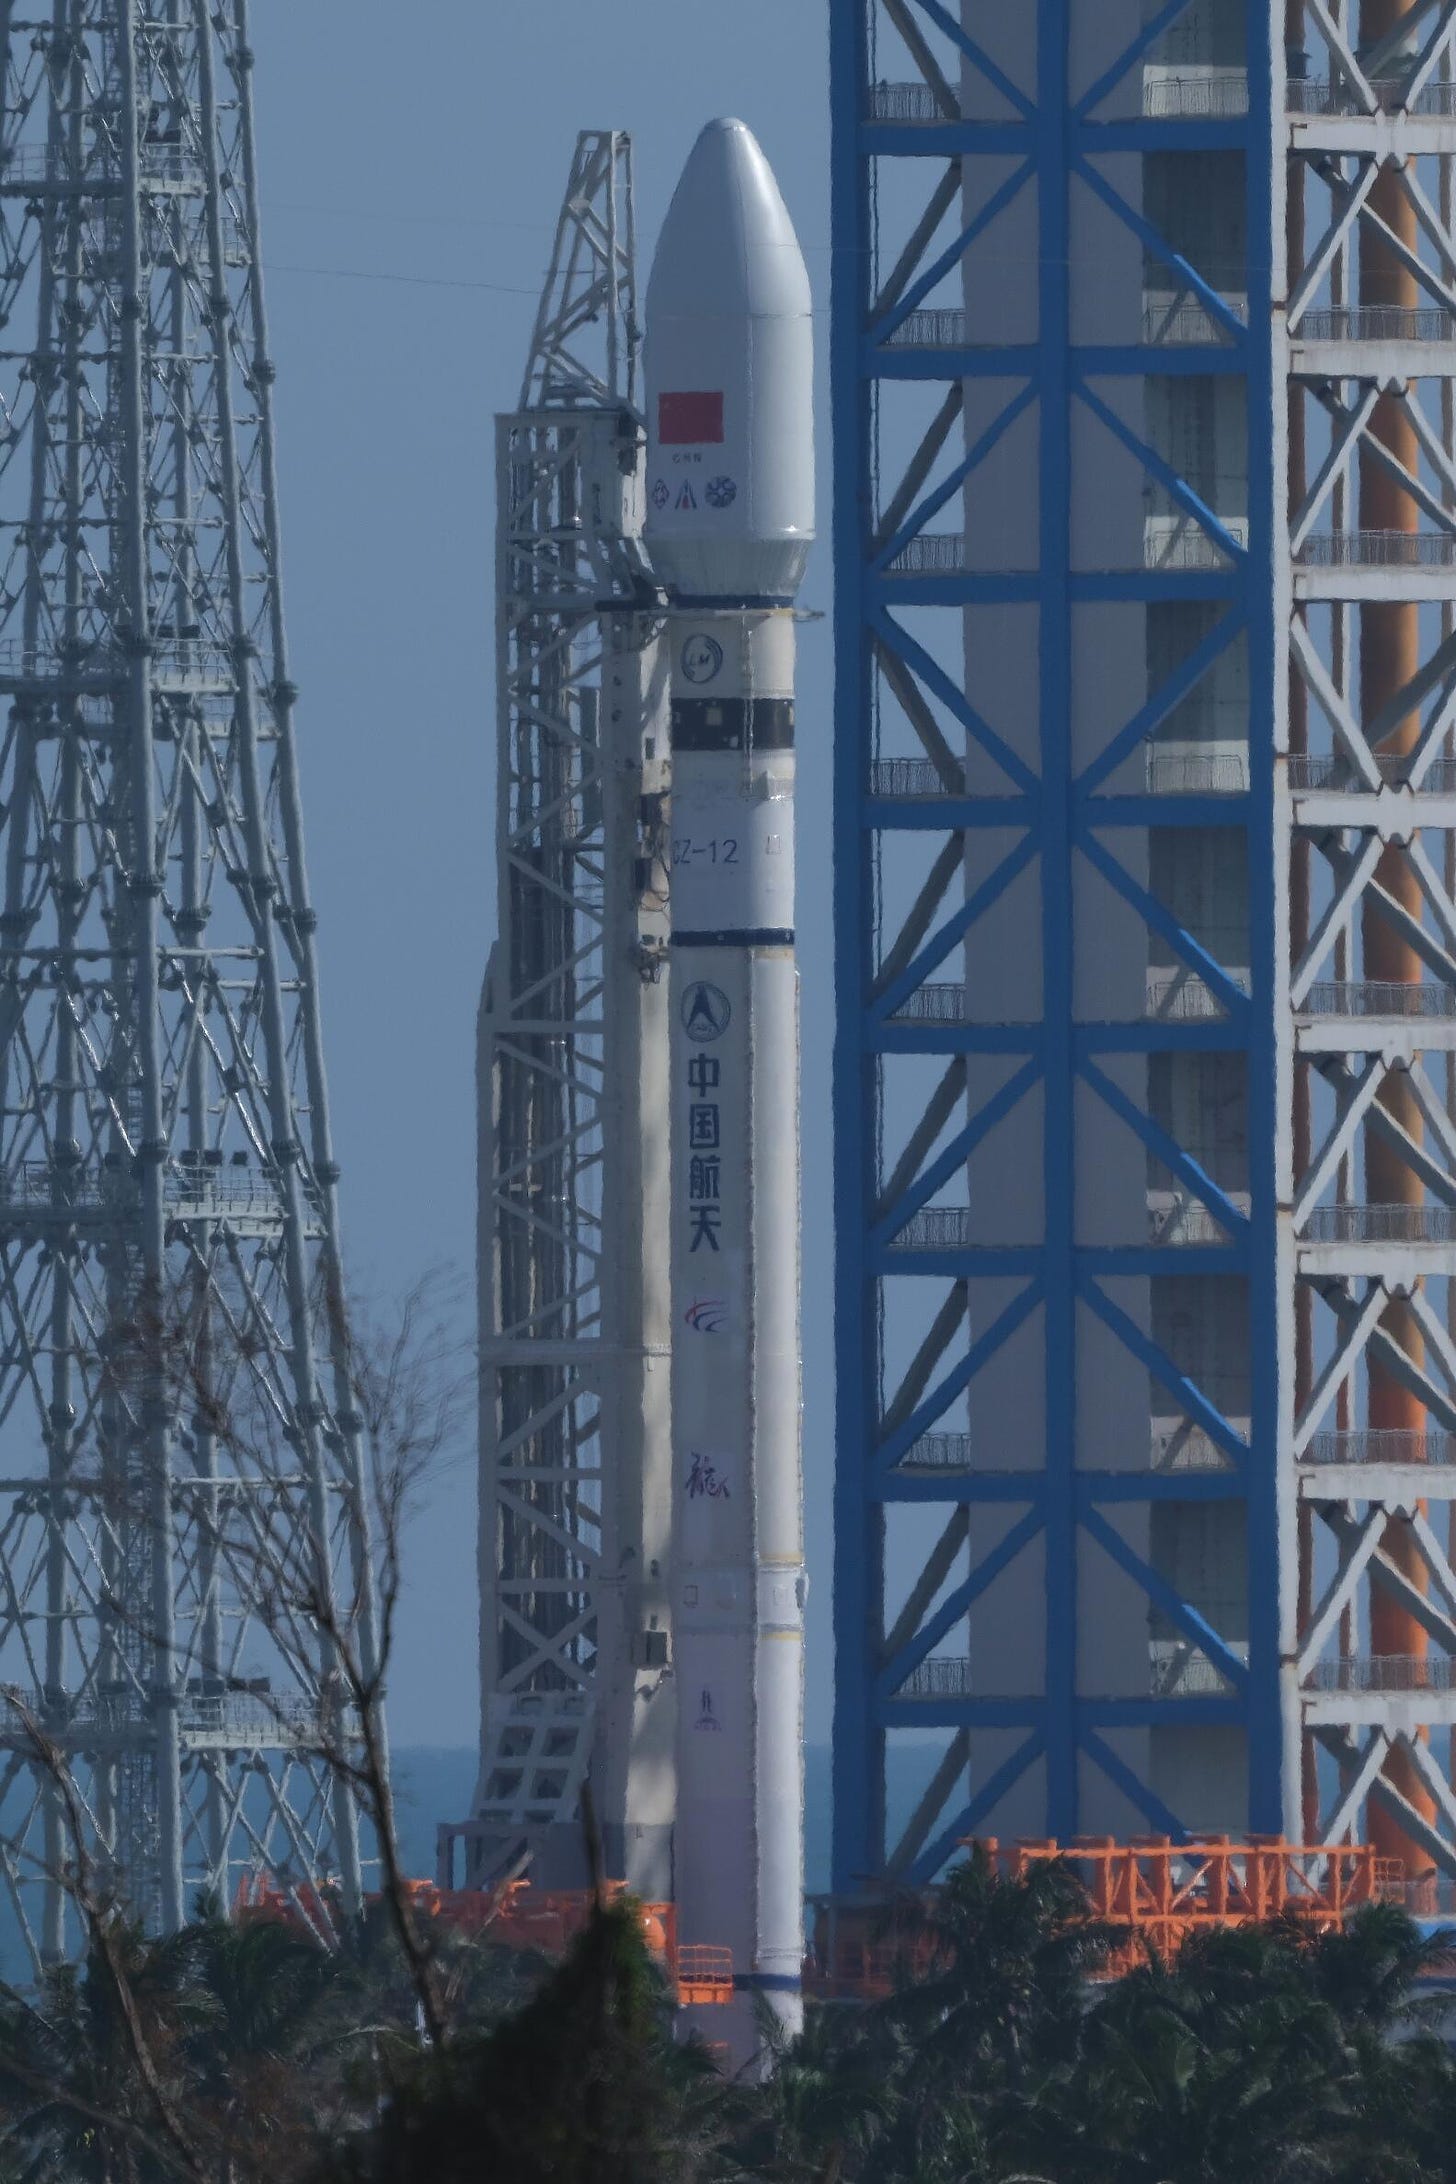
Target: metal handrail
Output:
{"points": [[1179, 1445], [935, 1228], [1181, 996], [1332, 770], [1380, 1225], [1372, 997], [1182, 321], [904, 102], [1376, 322], [936, 1003], [99, 166], [1379, 550], [938, 1452], [911, 777], [1188, 546], [1381, 1445], [1216, 773], [937, 329], [1164, 98], [1224, 97], [1373, 1672], [937, 1678], [246, 1715], [1337, 96], [1188, 1220], [932, 553], [1181, 1675], [1170, 318]]}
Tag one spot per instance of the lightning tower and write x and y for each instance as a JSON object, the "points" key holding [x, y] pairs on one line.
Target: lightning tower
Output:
{"points": [[182, 1518]]}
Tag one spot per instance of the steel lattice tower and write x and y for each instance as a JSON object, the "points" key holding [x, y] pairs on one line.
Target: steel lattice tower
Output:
{"points": [[167, 1178], [575, 1477]]}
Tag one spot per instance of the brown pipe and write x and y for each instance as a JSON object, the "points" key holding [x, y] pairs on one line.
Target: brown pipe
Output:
{"points": [[1390, 654]]}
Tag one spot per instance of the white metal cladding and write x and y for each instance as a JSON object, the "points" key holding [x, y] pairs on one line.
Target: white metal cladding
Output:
{"points": [[1366, 138]]}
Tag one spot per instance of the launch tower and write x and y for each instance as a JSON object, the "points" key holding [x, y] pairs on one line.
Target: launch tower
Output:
{"points": [[576, 1496], [1146, 1197]]}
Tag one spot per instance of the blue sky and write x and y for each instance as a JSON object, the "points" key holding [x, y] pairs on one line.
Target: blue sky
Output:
{"points": [[412, 161]]}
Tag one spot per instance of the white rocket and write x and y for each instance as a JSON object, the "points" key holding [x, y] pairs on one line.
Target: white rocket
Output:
{"points": [[730, 483]]}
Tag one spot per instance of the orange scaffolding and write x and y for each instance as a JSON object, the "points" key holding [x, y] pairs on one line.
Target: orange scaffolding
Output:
{"points": [[1156, 1894], [521, 1916], [1159, 1893]]}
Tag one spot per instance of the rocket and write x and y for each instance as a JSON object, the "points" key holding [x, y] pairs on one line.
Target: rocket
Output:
{"points": [[730, 519]]}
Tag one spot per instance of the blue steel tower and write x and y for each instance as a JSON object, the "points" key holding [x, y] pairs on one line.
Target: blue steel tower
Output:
{"points": [[1146, 570]]}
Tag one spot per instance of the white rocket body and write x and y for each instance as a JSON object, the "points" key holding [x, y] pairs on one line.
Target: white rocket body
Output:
{"points": [[730, 475]]}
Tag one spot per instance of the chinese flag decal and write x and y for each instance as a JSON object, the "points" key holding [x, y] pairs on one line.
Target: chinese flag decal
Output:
{"points": [[689, 419]]}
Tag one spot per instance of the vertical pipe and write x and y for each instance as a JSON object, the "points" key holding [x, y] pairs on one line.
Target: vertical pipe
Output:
{"points": [[1389, 643]]}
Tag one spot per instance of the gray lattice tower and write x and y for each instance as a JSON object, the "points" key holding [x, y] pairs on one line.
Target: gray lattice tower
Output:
{"points": [[168, 1238], [575, 1457]]}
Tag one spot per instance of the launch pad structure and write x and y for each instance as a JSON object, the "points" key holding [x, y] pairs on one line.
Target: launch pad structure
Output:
{"points": [[572, 1076], [1145, 1158]]}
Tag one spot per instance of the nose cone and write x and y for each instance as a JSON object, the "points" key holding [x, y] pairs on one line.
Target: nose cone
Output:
{"points": [[730, 382], [728, 246]]}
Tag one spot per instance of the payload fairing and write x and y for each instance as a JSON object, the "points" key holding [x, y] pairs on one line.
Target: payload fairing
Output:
{"points": [[730, 483]]}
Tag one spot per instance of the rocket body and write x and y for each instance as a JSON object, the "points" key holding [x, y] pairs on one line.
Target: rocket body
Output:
{"points": [[730, 520]]}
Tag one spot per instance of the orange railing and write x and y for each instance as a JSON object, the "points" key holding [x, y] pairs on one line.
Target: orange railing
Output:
{"points": [[704, 1973], [1156, 1894], [1159, 1893], [547, 1921]]}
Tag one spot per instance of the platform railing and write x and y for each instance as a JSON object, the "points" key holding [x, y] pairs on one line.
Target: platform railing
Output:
{"points": [[937, 1678], [1333, 770], [1379, 997], [935, 1228], [1378, 550], [1337, 97], [1381, 1445], [1376, 322], [1376, 1672], [1380, 1225]]}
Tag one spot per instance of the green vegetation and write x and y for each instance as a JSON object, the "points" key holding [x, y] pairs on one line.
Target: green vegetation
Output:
{"points": [[243, 2055]]}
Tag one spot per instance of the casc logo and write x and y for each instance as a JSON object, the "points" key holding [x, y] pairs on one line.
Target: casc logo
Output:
{"points": [[708, 1316]]}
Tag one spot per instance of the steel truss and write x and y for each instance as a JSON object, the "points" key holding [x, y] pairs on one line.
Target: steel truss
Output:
{"points": [[568, 1338], [1366, 808], [951, 1316], [179, 1439]]}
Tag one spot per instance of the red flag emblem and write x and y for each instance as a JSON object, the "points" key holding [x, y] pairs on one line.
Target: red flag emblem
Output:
{"points": [[689, 419]]}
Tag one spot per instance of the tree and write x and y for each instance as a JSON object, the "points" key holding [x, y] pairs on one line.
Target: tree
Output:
{"points": [[581, 2086]]}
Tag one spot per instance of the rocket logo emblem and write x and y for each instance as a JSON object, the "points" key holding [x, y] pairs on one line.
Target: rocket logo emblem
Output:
{"points": [[687, 500], [701, 658], [707, 1315], [706, 1012], [707, 1719]]}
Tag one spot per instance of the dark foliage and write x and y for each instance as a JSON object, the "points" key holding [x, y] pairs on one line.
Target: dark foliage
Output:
{"points": [[240, 2054]]}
